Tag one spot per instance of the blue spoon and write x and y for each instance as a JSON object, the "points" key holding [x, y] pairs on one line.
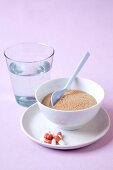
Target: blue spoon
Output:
{"points": [[60, 93]]}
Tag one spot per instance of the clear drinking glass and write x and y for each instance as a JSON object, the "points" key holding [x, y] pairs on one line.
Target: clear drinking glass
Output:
{"points": [[29, 65]]}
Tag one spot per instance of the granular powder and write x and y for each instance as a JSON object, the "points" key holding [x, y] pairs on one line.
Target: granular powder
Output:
{"points": [[72, 100]]}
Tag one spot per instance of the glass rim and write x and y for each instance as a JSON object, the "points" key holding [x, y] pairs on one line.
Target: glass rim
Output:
{"points": [[34, 61]]}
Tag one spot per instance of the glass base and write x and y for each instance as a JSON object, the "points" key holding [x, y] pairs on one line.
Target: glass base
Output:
{"points": [[25, 101]]}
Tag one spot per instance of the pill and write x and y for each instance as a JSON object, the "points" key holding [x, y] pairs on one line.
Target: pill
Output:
{"points": [[48, 136], [59, 140]]}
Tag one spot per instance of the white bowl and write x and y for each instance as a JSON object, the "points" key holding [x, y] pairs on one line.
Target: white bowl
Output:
{"points": [[75, 119]]}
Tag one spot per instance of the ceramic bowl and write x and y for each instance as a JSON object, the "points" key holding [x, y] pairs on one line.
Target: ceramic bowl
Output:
{"points": [[75, 119]]}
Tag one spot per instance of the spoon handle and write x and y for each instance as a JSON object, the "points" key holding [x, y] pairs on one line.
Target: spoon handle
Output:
{"points": [[76, 71]]}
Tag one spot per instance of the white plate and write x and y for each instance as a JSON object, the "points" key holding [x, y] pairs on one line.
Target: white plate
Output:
{"points": [[34, 125]]}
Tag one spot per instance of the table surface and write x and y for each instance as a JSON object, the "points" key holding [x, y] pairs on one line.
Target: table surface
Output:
{"points": [[72, 28]]}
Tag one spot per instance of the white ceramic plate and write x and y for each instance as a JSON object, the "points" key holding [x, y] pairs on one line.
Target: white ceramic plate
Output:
{"points": [[34, 125]]}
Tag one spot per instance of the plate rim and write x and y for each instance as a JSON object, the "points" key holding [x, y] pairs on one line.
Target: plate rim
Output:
{"points": [[60, 147]]}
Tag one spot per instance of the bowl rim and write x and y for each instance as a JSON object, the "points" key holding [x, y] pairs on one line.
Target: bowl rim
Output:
{"points": [[72, 111]]}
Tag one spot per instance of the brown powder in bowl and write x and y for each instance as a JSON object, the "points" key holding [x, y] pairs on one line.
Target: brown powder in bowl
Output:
{"points": [[72, 100]]}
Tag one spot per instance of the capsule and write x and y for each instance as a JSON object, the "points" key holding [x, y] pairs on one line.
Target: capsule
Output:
{"points": [[59, 140]]}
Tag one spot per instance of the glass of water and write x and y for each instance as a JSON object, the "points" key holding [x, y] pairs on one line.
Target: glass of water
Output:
{"points": [[29, 65]]}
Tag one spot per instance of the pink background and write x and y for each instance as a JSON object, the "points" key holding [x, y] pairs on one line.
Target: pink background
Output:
{"points": [[72, 28]]}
